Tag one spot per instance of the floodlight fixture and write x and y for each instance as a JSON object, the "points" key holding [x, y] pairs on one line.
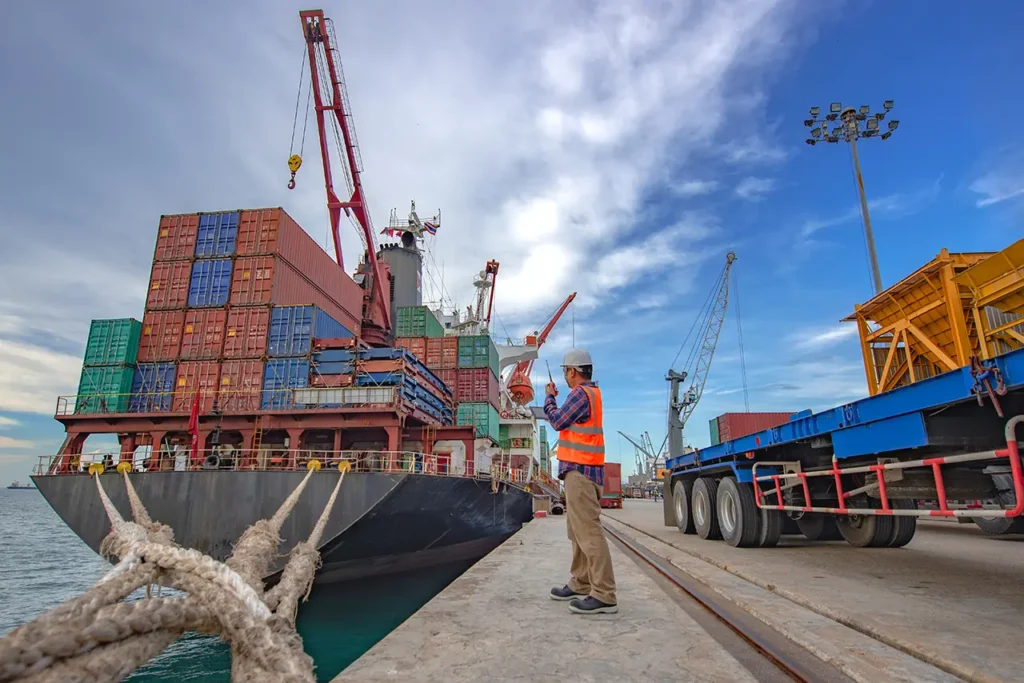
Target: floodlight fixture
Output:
{"points": [[815, 132], [872, 124], [893, 125], [809, 141], [836, 107], [864, 109], [808, 122], [815, 111], [888, 104], [886, 135]]}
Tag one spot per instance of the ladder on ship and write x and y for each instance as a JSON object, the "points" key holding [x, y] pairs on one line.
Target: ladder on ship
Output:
{"points": [[257, 442]]}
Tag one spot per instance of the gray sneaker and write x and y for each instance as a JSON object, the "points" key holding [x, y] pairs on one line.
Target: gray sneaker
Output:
{"points": [[591, 605], [565, 593]]}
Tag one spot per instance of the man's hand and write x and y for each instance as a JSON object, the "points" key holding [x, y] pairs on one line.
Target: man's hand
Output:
{"points": [[551, 389]]}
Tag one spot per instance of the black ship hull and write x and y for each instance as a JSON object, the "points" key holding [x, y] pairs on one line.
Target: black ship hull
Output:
{"points": [[380, 523]]}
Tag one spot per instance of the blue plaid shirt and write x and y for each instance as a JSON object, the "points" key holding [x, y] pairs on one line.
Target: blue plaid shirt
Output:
{"points": [[575, 410]]}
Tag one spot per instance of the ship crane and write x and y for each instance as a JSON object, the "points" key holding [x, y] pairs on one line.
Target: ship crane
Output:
{"points": [[520, 388], [333, 108], [699, 360], [646, 456], [478, 322]]}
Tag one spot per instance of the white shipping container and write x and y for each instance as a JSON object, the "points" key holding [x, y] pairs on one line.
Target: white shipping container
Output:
{"points": [[313, 397]]}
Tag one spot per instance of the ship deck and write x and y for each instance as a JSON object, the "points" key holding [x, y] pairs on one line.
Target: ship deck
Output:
{"points": [[496, 622]]}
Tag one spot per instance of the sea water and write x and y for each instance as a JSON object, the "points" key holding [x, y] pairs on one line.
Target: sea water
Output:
{"points": [[43, 563]]}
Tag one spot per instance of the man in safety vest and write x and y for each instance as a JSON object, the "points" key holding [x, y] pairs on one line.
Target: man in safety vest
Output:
{"points": [[591, 587]]}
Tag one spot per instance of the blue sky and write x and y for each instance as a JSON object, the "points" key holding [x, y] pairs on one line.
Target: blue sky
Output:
{"points": [[618, 149]]}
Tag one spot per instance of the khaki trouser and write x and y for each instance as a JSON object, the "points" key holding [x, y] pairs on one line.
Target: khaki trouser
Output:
{"points": [[591, 570]]}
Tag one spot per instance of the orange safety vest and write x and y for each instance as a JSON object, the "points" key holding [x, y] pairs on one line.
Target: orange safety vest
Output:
{"points": [[583, 443]]}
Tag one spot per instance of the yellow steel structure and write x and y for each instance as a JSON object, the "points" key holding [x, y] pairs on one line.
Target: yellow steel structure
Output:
{"points": [[997, 299], [921, 326]]}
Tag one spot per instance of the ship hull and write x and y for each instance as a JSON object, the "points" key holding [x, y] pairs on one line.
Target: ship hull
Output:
{"points": [[380, 523]]}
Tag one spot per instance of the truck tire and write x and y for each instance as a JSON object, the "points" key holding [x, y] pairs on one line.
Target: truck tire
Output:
{"points": [[682, 493], [772, 523], [817, 526], [865, 531], [903, 528], [738, 517], [704, 508], [997, 526]]}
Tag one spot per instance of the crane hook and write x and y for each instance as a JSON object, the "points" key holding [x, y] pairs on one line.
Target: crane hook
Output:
{"points": [[294, 162]]}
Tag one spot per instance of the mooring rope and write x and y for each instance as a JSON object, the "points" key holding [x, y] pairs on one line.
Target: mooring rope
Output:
{"points": [[96, 637]]}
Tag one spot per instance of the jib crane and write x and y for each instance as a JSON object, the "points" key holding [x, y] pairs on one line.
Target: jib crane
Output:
{"points": [[699, 360], [332, 106], [520, 388], [476, 322], [646, 456]]}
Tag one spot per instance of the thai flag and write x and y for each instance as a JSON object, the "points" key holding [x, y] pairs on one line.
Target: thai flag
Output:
{"points": [[388, 231], [431, 227]]}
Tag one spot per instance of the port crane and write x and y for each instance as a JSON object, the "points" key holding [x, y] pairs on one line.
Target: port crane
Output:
{"points": [[646, 456], [519, 386], [698, 363], [333, 109], [476, 320]]}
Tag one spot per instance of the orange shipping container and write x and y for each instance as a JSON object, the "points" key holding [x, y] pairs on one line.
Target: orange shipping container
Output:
{"points": [[193, 376], [417, 346], [442, 353], [176, 239], [612, 478], [160, 340], [203, 336], [168, 285], [245, 335], [240, 385], [735, 425]]}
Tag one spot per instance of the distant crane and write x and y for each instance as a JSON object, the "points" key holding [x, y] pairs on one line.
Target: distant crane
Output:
{"points": [[699, 360], [646, 456], [519, 385], [329, 94], [478, 322]]}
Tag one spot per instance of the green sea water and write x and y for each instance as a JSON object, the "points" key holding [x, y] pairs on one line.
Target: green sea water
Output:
{"points": [[42, 563]]}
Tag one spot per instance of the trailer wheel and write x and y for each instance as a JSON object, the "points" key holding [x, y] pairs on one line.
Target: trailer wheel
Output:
{"points": [[997, 526], [817, 526], [772, 523], [738, 516], [704, 508], [903, 528], [865, 531], [790, 527], [682, 493]]}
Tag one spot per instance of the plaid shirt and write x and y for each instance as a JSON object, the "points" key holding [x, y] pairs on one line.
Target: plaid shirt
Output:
{"points": [[575, 410]]}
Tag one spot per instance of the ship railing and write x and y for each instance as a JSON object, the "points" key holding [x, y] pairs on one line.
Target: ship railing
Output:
{"points": [[277, 460], [243, 401]]}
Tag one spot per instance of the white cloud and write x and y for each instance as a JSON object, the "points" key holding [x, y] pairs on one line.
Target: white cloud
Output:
{"points": [[8, 442], [890, 206], [753, 150], [33, 377], [998, 187], [810, 340], [693, 188], [6, 422], [754, 189]]}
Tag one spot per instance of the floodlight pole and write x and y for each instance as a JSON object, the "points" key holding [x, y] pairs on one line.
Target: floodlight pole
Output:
{"points": [[848, 129], [850, 120]]}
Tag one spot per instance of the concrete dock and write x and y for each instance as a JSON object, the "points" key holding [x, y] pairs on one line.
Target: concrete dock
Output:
{"points": [[497, 622]]}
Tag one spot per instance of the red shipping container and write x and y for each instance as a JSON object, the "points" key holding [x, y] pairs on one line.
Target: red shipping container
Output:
{"points": [[176, 239], [331, 380], [168, 285], [449, 377], [612, 478], [735, 425], [442, 353], [161, 336], [476, 385], [240, 385], [193, 376], [313, 276], [434, 353], [417, 346], [203, 336], [245, 335]]}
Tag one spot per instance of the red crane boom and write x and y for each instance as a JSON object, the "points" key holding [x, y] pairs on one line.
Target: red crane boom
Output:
{"points": [[325, 65], [519, 385]]}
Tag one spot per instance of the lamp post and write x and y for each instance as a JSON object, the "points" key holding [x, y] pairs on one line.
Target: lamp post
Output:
{"points": [[852, 124]]}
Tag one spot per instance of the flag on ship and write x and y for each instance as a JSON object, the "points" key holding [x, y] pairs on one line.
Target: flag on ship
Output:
{"points": [[431, 227]]}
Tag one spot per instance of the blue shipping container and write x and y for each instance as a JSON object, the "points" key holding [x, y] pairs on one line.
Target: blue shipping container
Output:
{"points": [[293, 329], [152, 388], [280, 376], [331, 368], [211, 284], [218, 234], [332, 356]]}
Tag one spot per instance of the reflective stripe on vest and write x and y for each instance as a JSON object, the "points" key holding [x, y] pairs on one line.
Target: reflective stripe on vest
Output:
{"points": [[583, 443]]}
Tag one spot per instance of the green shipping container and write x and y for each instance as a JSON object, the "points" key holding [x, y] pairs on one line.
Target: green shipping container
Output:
{"points": [[104, 389], [483, 416], [478, 351], [715, 440], [113, 342], [418, 321]]}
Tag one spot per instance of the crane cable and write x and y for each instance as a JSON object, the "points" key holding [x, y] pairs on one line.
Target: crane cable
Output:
{"points": [[295, 160], [739, 332]]}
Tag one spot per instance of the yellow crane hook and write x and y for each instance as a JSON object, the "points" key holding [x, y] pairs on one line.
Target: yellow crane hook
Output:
{"points": [[294, 161]]}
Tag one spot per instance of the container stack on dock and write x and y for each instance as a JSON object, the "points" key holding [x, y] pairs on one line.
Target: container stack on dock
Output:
{"points": [[108, 366], [729, 426], [468, 365]]}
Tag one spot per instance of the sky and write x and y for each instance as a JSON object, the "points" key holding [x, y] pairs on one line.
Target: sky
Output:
{"points": [[616, 149]]}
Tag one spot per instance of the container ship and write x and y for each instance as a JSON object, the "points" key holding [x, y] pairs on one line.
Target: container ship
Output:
{"points": [[257, 353]]}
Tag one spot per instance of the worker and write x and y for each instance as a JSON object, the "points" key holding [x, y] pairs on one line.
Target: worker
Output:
{"points": [[591, 586]]}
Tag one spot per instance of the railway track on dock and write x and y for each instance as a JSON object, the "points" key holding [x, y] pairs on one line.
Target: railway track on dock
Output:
{"points": [[765, 652]]}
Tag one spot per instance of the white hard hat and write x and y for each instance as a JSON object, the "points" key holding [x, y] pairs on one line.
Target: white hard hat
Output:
{"points": [[577, 358]]}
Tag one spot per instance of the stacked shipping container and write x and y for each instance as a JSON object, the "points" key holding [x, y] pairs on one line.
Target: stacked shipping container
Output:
{"points": [[729, 426], [108, 366]]}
